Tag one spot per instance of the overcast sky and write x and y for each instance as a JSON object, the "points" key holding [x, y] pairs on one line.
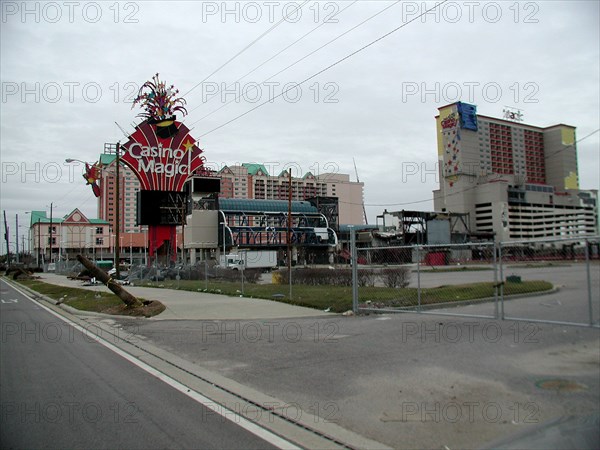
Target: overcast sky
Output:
{"points": [[69, 71]]}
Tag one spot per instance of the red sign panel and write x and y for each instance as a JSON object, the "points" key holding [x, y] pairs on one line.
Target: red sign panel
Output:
{"points": [[163, 155]]}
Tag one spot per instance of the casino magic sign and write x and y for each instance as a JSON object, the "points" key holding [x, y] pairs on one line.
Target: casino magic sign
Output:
{"points": [[161, 151]]}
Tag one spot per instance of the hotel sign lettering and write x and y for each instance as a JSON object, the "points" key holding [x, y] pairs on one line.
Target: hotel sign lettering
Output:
{"points": [[162, 161]]}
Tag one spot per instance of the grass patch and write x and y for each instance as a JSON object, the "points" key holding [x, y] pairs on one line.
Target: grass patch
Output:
{"points": [[447, 294], [537, 265], [89, 300], [339, 298]]}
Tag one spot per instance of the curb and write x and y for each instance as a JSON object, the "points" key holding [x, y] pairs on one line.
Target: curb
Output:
{"points": [[78, 312]]}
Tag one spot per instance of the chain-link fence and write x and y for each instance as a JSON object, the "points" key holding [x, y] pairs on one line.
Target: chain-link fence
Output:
{"points": [[572, 266], [428, 278], [204, 276], [553, 281]]}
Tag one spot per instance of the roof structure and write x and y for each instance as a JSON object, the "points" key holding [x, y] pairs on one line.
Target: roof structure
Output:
{"points": [[41, 217], [106, 158], [271, 206], [254, 168]]}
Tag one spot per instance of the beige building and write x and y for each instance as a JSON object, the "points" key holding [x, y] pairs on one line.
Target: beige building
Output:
{"points": [[515, 180], [64, 237]]}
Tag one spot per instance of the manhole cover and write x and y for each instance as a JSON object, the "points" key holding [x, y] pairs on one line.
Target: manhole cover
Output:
{"points": [[560, 385]]}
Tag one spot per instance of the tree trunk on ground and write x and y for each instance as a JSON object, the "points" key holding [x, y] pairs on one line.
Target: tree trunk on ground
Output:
{"points": [[130, 300]]}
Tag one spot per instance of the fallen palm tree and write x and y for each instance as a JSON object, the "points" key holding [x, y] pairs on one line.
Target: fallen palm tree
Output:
{"points": [[130, 300]]}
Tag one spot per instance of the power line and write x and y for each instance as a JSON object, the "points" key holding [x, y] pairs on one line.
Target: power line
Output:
{"points": [[268, 60], [364, 47], [283, 19], [498, 177], [571, 145], [300, 60]]}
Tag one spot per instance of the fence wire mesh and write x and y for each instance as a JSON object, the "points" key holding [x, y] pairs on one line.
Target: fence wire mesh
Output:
{"points": [[571, 266], [427, 278], [548, 281]]}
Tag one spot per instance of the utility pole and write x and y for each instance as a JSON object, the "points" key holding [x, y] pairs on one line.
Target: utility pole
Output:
{"points": [[51, 233], [289, 231], [183, 222], [39, 240], [118, 213], [17, 234], [6, 237]]}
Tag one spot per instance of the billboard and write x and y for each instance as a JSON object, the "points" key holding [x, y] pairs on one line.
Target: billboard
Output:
{"points": [[161, 207], [162, 160]]}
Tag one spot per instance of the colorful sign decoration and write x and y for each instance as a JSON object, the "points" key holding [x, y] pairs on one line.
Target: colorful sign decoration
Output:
{"points": [[451, 147], [468, 116], [91, 175], [512, 114], [161, 151]]}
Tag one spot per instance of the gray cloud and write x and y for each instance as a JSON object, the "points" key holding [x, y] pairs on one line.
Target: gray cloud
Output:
{"points": [[542, 55]]}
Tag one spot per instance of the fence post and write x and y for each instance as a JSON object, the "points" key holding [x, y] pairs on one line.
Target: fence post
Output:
{"points": [[354, 263], [589, 281], [205, 272], [418, 279], [495, 263], [500, 264]]}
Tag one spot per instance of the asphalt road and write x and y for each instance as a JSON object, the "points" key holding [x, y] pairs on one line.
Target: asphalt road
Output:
{"points": [[61, 389]]}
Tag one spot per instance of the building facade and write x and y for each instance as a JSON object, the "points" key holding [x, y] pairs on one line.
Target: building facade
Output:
{"points": [[253, 181], [515, 181], [129, 185], [60, 238]]}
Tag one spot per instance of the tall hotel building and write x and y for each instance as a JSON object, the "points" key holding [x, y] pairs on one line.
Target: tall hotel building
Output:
{"points": [[515, 181], [107, 202]]}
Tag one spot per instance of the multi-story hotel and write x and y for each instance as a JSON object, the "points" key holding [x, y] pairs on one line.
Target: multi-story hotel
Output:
{"points": [[128, 187], [515, 181], [252, 181]]}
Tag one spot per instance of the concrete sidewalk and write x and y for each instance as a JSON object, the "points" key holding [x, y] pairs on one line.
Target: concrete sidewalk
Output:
{"points": [[188, 305]]}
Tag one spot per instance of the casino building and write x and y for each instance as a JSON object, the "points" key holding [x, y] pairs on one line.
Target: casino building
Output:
{"points": [[514, 181]]}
